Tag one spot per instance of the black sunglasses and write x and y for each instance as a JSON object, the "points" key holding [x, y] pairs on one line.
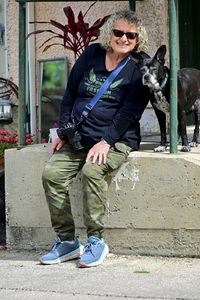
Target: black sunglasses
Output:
{"points": [[129, 35]]}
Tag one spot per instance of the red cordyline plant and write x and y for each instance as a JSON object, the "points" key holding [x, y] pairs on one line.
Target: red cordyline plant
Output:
{"points": [[75, 35], [9, 140]]}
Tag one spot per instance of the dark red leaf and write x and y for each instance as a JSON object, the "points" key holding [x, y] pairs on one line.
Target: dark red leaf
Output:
{"points": [[40, 31], [70, 16], [58, 25], [55, 44], [80, 18], [92, 33], [51, 38], [99, 23], [39, 22], [89, 8]]}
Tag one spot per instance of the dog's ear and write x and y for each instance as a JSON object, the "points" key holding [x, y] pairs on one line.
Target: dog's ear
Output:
{"points": [[140, 57], [160, 54]]}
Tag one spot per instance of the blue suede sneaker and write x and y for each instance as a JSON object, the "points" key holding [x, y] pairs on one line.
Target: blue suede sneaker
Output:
{"points": [[95, 251], [62, 251]]}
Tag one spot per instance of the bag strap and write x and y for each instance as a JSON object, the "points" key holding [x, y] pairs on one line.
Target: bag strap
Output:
{"points": [[102, 89]]}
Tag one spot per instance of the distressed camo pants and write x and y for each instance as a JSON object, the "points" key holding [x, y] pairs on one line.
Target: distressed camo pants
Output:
{"points": [[57, 177]]}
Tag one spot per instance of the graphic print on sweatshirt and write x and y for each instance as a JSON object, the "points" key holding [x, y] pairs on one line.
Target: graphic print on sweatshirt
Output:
{"points": [[95, 81]]}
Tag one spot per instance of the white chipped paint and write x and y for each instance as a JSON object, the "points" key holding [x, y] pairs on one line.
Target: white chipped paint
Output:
{"points": [[125, 174]]}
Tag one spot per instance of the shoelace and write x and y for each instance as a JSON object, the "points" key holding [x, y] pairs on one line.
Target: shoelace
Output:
{"points": [[56, 245], [90, 246]]}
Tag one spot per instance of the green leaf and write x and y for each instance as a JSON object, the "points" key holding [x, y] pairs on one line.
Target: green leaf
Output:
{"points": [[116, 83], [92, 76]]}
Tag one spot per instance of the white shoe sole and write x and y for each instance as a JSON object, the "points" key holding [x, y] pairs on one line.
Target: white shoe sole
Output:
{"points": [[75, 254], [96, 263]]}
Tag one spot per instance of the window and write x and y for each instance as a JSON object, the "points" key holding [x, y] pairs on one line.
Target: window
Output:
{"points": [[53, 79]]}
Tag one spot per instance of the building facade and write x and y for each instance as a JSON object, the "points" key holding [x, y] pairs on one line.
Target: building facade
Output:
{"points": [[154, 14]]}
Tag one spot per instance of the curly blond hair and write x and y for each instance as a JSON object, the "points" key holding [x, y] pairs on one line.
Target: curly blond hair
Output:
{"points": [[129, 17]]}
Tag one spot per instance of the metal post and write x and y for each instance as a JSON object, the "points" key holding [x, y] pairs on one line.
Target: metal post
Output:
{"points": [[132, 5], [22, 75], [173, 75]]}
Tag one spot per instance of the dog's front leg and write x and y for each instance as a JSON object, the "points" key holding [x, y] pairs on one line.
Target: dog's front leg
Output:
{"points": [[195, 138], [182, 130], [161, 116]]}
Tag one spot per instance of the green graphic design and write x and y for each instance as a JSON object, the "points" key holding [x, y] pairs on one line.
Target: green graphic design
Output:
{"points": [[115, 84], [92, 76], [94, 82]]}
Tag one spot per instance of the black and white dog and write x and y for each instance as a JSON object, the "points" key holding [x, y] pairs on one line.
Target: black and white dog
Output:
{"points": [[156, 76]]}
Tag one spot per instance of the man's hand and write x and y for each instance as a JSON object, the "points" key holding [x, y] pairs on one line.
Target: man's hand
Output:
{"points": [[56, 145], [98, 153]]}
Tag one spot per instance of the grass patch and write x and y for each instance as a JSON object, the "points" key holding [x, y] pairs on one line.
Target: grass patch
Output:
{"points": [[141, 271]]}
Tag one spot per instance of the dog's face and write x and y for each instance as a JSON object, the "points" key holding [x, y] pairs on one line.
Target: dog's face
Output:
{"points": [[152, 69]]}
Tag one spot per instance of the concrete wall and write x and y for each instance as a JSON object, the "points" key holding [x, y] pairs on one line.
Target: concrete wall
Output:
{"points": [[153, 203]]}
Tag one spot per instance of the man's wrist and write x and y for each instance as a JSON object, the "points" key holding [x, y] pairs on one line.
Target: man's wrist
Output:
{"points": [[105, 142]]}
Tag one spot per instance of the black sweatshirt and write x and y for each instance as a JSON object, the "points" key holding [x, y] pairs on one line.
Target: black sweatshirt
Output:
{"points": [[115, 117]]}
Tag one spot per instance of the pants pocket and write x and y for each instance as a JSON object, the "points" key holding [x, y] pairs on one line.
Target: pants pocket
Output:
{"points": [[117, 155], [123, 148]]}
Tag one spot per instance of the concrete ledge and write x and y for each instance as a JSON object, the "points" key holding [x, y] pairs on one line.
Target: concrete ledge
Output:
{"points": [[153, 203]]}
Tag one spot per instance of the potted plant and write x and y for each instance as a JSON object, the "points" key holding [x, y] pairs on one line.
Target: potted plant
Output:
{"points": [[75, 35]]}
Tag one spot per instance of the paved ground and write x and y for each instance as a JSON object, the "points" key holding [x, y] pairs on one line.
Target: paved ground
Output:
{"points": [[120, 277]]}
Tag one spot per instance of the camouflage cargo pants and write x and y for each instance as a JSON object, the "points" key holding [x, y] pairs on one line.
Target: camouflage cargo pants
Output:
{"points": [[57, 177]]}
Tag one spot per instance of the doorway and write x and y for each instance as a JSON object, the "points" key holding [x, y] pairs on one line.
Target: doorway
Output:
{"points": [[189, 27], [189, 42]]}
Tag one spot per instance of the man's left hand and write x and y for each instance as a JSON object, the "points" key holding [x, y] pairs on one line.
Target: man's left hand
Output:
{"points": [[98, 153]]}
